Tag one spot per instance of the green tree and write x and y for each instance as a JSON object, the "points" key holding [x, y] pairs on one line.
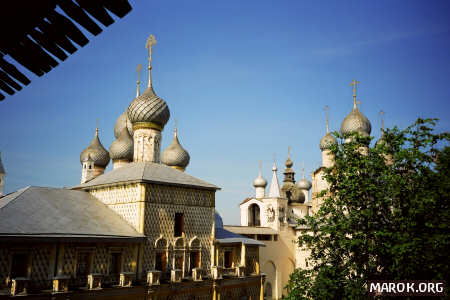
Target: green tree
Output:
{"points": [[379, 220]]}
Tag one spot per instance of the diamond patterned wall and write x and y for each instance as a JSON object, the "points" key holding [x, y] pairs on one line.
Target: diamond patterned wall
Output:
{"points": [[40, 265], [123, 199], [69, 261], [101, 260], [162, 202]]}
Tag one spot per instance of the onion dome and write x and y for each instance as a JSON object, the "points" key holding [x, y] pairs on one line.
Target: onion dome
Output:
{"points": [[289, 163], [297, 196], [175, 155], [355, 121], [327, 141], [149, 108], [259, 181], [303, 184], [122, 122], [122, 147], [96, 151]]}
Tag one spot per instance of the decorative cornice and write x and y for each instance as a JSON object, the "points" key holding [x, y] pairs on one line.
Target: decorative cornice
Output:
{"points": [[146, 125]]}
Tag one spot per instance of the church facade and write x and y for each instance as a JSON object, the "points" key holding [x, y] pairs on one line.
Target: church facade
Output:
{"points": [[145, 230], [272, 218]]}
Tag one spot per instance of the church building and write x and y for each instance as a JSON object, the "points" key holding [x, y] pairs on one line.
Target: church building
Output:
{"points": [[272, 218], [145, 230]]}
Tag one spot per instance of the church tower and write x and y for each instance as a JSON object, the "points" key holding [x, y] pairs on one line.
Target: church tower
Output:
{"points": [[2, 176], [148, 113]]}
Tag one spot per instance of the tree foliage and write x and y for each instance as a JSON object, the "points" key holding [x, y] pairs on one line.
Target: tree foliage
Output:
{"points": [[378, 220]]}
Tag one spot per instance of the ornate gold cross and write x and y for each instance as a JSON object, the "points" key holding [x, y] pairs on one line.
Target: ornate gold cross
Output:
{"points": [[326, 113], [381, 116]]}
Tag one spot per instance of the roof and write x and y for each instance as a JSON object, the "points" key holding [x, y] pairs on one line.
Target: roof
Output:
{"points": [[147, 172], [224, 236], [250, 230], [60, 213], [248, 199], [35, 34]]}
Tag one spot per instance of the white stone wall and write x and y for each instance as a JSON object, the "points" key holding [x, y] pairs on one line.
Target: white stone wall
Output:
{"points": [[147, 145]]}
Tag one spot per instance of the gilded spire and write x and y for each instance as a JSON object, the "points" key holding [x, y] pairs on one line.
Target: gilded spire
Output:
{"points": [[303, 169], [354, 84], [96, 127], [326, 112], [151, 41], [138, 71]]}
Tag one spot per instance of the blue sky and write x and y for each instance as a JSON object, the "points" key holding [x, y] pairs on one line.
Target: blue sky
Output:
{"points": [[244, 79]]}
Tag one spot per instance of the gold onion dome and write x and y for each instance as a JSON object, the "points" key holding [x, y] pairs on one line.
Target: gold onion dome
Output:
{"points": [[121, 123], [122, 147], [175, 155], [96, 152]]}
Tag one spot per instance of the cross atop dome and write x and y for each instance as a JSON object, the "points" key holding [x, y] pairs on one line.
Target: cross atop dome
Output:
{"points": [[354, 83]]}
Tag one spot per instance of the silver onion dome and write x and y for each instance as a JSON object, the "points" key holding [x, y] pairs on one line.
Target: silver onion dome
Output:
{"points": [[96, 151], [355, 121], [326, 141], [298, 196], [122, 147], [175, 155], [121, 123], [259, 181], [148, 107], [303, 184]]}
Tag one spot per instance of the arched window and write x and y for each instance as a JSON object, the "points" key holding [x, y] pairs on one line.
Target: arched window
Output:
{"points": [[194, 254], [161, 254], [254, 215]]}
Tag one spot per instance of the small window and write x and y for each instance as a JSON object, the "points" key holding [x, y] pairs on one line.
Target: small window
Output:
{"points": [[116, 263], [19, 267], [275, 237], [161, 261], [228, 259], [179, 224]]}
